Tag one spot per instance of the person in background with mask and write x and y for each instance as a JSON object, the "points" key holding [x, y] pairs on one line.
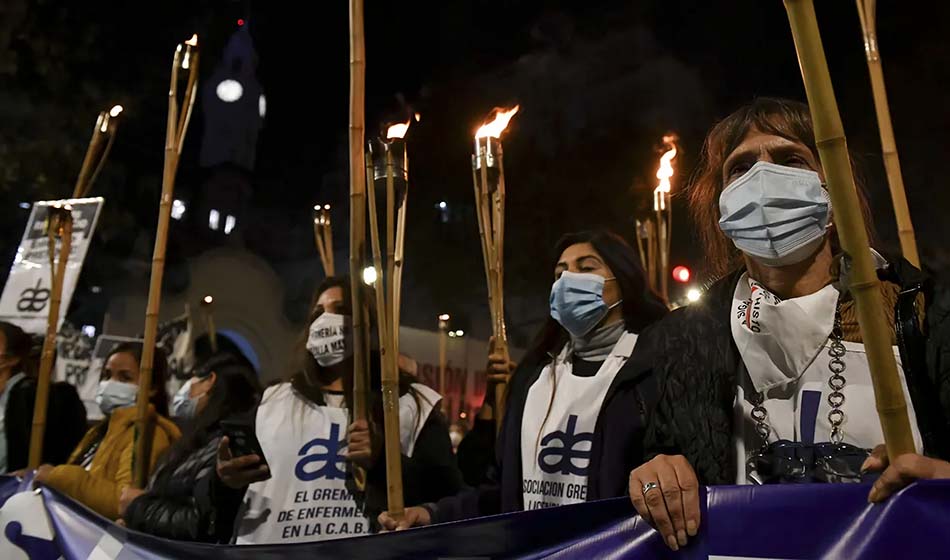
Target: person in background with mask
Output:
{"points": [[100, 467], [310, 444], [765, 380], [575, 414], [65, 413], [185, 499]]}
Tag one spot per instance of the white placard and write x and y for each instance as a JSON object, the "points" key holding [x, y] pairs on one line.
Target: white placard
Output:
{"points": [[25, 300]]}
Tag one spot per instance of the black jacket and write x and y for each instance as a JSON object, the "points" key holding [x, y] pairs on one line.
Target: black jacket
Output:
{"points": [[695, 361], [616, 448], [65, 423], [189, 503]]}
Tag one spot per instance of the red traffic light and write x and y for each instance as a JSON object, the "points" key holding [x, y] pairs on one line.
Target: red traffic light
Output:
{"points": [[681, 274]]}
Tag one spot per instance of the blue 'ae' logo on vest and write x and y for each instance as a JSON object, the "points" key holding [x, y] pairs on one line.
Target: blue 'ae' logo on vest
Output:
{"points": [[565, 454], [334, 463]]}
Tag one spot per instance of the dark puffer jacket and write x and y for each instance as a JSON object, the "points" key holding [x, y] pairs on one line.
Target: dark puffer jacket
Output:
{"points": [[189, 503], [696, 363]]}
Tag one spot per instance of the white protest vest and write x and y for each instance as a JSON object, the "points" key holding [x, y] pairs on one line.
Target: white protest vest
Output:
{"points": [[306, 498], [555, 454], [786, 357]]}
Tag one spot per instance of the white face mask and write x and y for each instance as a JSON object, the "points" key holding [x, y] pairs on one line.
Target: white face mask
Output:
{"points": [[775, 214], [113, 394], [329, 341]]}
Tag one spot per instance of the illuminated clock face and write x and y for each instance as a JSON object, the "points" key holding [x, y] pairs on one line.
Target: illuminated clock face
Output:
{"points": [[229, 90]]}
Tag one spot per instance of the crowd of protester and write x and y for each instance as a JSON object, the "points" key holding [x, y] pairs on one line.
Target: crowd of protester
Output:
{"points": [[765, 380]]}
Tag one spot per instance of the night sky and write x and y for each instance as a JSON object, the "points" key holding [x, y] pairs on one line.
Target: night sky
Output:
{"points": [[599, 84]]}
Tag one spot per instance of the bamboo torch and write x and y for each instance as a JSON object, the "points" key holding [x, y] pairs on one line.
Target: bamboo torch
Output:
{"points": [[387, 172], [323, 235], [185, 58], [59, 227], [360, 312], [892, 164], [207, 309], [443, 342], [103, 135], [488, 175], [864, 286], [664, 214]]}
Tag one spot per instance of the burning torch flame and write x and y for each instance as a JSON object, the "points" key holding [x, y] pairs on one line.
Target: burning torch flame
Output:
{"points": [[114, 112], [497, 126], [665, 173], [193, 41], [397, 130]]}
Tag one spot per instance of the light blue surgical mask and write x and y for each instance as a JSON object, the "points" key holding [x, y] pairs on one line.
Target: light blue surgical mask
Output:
{"points": [[577, 302], [113, 394], [777, 215], [184, 406]]}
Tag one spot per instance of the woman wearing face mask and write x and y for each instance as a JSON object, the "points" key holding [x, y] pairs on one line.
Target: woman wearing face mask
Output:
{"points": [[185, 499], [766, 380], [100, 467], [309, 442], [573, 425]]}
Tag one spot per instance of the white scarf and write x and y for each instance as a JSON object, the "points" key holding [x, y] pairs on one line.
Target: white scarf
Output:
{"points": [[778, 339]]}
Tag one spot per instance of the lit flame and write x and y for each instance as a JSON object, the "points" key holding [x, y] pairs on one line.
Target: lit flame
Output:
{"points": [[497, 126], [115, 111], [665, 173], [193, 41], [418, 117], [397, 130]]}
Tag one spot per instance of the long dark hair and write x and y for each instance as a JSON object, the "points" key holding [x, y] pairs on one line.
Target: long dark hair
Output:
{"points": [[236, 391], [159, 397], [782, 117], [641, 306], [309, 376]]}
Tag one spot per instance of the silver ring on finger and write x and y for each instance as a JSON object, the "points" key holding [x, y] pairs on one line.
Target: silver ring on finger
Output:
{"points": [[649, 486]]}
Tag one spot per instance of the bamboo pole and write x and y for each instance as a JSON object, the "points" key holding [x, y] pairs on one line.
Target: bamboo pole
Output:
{"points": [[357, 211], [864, 286], [640, 228], [490, 207], [176, 127], [207, 308], [387, 344], [892, 164], [96, 155], [443, 341], [59, 226], [501, 336], [89, 161]]}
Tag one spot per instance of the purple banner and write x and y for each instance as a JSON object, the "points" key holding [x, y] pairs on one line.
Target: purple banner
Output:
{"points": [[794, 521]]}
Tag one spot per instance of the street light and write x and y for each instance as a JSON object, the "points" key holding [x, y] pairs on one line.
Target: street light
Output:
{"points": [[693, 295]]}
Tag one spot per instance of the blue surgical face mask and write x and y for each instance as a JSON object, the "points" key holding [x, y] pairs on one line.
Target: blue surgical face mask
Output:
{"points": [[577, 302], [777, 215], [185, 406], [114, 394]]}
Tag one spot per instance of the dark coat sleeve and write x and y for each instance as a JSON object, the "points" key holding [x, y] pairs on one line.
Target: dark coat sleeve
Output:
{"points": [[191, 506], [938, 359], [65, 423]]}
